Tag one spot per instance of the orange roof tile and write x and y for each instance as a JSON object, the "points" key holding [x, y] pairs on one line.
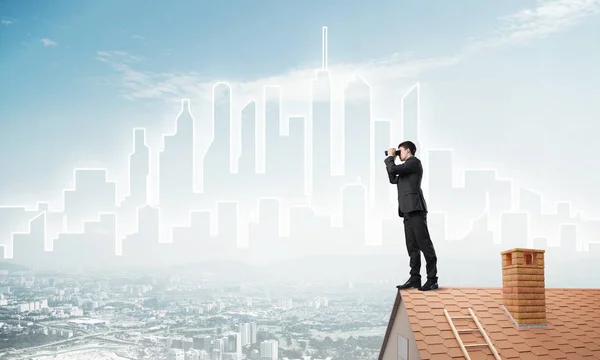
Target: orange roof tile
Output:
{"points": [[572, 331]]}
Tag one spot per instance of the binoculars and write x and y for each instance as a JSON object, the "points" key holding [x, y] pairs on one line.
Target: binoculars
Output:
{"points": [[386, 153]]}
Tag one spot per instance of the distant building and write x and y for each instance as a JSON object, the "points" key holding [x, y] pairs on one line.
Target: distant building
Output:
{"points": [[202, 342], [192, 354], [248, 333], [269, 350], [216, 354], [32, 306], [176, 354], [235, 344], [253, 330]]}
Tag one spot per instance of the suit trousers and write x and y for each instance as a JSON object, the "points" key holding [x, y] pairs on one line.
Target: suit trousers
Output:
{"points": [[418, 240]]}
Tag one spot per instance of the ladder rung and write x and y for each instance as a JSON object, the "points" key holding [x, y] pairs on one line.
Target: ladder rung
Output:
{"points": [[457, 332], [466, 330]]}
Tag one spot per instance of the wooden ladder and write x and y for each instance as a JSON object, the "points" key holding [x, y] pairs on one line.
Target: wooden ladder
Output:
{"points": [[479, 328]]}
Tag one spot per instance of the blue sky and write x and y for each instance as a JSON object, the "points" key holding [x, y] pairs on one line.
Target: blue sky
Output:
{"points": [[240, 40], [77, 76]]}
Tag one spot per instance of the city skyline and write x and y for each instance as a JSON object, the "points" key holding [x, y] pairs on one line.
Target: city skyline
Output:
{"points": [[206, 181], [408, 123], [184, 198], [131, 75]]}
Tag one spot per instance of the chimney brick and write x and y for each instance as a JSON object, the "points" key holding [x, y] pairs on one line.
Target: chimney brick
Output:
{"points": [[524, 286]]}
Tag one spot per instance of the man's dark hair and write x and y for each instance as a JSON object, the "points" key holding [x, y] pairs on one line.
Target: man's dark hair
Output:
{"points": [[408, 145]]}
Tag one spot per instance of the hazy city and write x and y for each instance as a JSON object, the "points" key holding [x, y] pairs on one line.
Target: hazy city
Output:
{"points": [[245, 242]]}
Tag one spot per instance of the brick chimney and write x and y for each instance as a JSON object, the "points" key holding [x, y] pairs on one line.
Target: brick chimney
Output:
{"points": [[523, 286]]}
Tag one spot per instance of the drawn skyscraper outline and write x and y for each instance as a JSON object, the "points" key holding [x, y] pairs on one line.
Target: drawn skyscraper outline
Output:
{"points": [[347, 192], [460, 185], [99, 214], [321, 143], [185, 106], [358, 151], [272, 136], [8, 246], [416, 137], [248, 136], [74, 190], [280, 226], [166, 230], [52, 229], [543, 212], [378, 169], [132, 225], [142, 131], [228, 126], [324, 47], [8, 249]]}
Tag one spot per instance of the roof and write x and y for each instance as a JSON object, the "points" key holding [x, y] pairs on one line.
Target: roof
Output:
{"points": [[572, 331]]}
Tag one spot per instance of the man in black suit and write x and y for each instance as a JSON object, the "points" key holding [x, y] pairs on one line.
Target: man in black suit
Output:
{"points": [[413, 208]]}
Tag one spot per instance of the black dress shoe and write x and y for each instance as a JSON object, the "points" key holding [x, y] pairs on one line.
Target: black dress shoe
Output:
{"points": [[411, 283], [429, 285]]}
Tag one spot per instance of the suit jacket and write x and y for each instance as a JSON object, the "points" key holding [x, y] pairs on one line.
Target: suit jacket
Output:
{"points": [[407, 177]]}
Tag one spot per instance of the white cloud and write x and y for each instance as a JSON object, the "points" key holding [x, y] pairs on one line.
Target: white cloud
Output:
{"points": [[121, 56], [296, 83], [6, 22], [138, 37], [545, 18], [48, 42]]}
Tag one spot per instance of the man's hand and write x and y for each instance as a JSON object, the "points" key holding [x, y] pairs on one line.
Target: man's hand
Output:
{"points": [[392, 152]]}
